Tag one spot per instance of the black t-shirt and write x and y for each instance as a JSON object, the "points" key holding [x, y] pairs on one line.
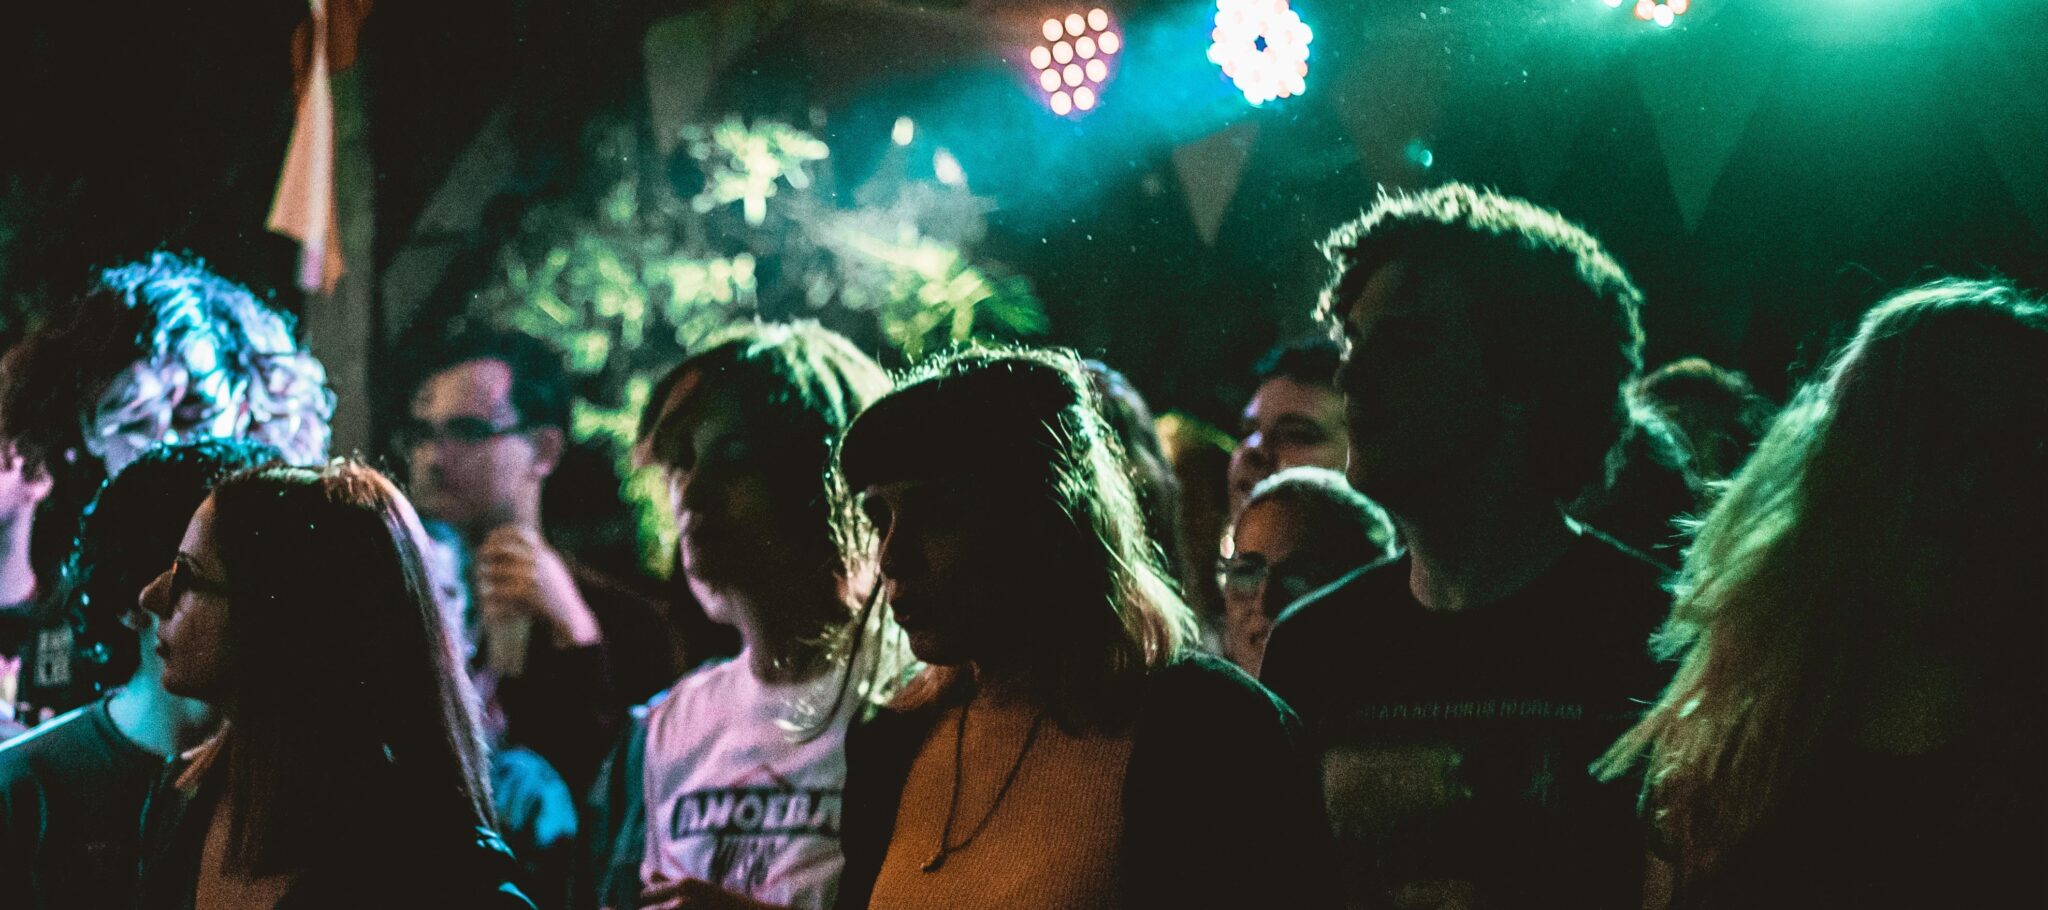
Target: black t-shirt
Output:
{"points": [[1456, 744], [71, 797]]}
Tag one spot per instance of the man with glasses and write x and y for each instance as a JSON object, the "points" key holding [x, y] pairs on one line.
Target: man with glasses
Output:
{"points": [[568, 649]]}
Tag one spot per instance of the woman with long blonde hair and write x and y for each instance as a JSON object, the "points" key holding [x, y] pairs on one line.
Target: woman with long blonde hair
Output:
{"points": [[1857, 718]]}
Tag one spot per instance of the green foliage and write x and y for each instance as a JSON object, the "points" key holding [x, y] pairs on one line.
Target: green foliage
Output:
{"points": [[630, 281]]}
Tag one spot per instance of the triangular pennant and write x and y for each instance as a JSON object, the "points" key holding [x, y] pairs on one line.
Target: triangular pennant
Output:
{"points": [[1700, 110], [1210, 169], [303, 208]]}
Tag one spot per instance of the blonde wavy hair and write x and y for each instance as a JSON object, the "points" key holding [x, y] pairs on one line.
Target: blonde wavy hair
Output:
{"points": [[1899, 498]]}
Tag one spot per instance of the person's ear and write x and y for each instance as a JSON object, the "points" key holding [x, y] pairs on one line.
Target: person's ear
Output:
{"points": [[37, 484], [548, 446]]}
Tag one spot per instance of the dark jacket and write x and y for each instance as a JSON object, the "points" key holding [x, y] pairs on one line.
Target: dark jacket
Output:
{"points": [[1222, 803], [413, 863]]}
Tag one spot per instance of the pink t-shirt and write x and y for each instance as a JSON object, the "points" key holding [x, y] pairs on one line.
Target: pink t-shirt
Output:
{"points": [[734, 798]]}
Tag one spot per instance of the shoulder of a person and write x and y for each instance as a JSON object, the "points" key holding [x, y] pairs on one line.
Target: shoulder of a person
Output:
{"points": [[1621, 574], [55, 738], [475, 868], [1386, 577], [713, 679], [1202, 685]]}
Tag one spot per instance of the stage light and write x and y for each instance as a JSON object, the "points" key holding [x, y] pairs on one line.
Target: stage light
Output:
{"points": [[947, 169], [1074, 63], [1613, 4], [904, 131], [1662, 12], [1262, 45]]}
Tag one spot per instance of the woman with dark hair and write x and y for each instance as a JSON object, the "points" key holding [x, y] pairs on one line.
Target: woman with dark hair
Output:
{"points": [[743, 762], [1064, 747], [348, 770], [1857, 718]]}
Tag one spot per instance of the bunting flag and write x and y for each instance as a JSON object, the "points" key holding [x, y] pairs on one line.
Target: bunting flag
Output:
{"points": [[1699, 120], [303, 208], [1210, 169]]}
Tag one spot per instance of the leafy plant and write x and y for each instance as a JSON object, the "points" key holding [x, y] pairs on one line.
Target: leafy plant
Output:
{"points": [[743, 228]]}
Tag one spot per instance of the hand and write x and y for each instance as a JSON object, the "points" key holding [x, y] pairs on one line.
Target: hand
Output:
{"points": [[696, 894], [518, 574]]}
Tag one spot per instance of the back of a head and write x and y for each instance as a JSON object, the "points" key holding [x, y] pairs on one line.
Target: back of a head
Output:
{"points": [[541, 391], [129, 534], [1338, 522], [342, 678], [1888, 524], [95, 375], [1716, 413], [1934, 423], [1555, 315]]}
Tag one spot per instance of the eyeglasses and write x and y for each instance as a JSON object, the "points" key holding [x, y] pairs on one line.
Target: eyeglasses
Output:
{"points": [[1241, 576], [463, 430]]}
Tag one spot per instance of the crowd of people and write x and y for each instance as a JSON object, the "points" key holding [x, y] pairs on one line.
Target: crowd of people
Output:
{"points": [[1477, 614]]}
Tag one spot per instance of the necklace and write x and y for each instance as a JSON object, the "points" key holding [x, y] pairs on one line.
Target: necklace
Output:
{"points": [[946, 846]]}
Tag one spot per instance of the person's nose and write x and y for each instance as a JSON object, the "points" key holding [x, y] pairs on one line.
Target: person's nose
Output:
{"points": [[155, 599]]}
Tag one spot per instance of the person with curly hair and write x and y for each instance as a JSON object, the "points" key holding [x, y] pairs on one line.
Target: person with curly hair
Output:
{"points": [[159, 350], [1460, 690]]}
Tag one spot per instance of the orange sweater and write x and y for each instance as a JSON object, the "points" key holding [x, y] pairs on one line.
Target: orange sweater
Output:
{"points": [[1052, 843]]}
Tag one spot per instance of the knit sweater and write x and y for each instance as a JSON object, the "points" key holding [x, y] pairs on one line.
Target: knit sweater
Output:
{"points": [[1220, 801]]}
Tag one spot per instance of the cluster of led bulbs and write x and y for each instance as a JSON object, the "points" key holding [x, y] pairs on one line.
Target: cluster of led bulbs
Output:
{"points": [[1262, 45], [1662, 12], [1074, 61]]}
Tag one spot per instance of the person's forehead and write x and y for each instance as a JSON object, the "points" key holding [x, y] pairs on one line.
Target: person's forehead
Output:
{"points": [[481, 383], [1268, 528], [1284, 395], [198, 544]]}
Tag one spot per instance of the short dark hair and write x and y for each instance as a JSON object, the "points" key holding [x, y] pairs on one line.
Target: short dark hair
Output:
{"points": [[1716, 413], [129, 534], [1555, 314], [542, 393], [1339, 519], [1309, 360]]}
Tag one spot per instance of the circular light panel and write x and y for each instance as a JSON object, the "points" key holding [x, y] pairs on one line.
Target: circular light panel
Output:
{"points": [[1262, 46], [1072, 65]]}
